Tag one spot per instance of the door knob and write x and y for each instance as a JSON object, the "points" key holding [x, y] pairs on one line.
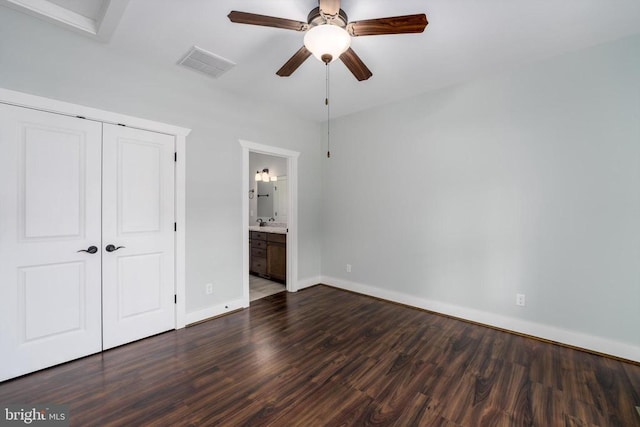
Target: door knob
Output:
{"points": [[111, 248], [90, 249]]}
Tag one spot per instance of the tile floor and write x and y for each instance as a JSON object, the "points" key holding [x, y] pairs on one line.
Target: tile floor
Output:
{"points": [[260, 288]]}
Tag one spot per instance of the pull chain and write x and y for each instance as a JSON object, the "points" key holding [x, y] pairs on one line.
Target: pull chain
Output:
{"points": [[326, 102]]}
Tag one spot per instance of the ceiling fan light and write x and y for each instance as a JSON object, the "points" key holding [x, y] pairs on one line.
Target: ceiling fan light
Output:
{"points": [[327, 39]]}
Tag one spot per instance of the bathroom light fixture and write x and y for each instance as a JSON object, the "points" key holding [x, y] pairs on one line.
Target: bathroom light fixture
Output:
{"points": [[264, 176]]}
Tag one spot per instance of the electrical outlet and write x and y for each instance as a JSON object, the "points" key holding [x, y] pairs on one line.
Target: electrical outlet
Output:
{"points": [[348, 268], [520, 300], [208, 288]]}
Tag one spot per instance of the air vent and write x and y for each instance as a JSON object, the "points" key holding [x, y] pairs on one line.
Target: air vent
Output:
{"points": [[206, 62]]}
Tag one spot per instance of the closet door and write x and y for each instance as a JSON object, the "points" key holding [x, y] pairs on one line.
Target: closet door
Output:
{"points": [[138, 223], [49, 226]]}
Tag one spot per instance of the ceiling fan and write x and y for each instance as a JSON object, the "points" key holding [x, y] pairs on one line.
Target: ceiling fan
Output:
{"points": [[328, 34]]}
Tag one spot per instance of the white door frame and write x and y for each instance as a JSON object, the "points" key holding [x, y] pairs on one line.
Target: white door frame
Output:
{"points": [[292, 215], [60, 107]]}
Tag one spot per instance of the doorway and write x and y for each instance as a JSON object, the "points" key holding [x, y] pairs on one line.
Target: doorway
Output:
{"points": [[285, 164]]}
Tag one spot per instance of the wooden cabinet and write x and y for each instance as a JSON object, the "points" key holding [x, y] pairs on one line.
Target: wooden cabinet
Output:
{"points": [[277, 257], [258, 248], [268, 255]]}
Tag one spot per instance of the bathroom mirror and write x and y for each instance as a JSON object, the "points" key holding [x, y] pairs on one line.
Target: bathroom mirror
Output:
{"points": [[273, 199], [265, 199]]}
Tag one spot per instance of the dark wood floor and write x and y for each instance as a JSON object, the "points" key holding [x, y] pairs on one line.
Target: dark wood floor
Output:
{"points": [[328, 357]]}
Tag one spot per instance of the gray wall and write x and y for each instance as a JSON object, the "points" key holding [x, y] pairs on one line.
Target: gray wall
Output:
{"points": [[527, 182], [44, 60]]}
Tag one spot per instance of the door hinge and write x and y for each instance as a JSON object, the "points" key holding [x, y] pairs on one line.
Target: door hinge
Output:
{"points": [[175, 226], [175, 156], [175, 299]]}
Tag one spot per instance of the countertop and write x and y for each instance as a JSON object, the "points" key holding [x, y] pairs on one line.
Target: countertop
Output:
{"points": [[268, 229]]}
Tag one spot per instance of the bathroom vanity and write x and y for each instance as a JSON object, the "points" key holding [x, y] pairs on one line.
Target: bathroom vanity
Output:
{"points": [[268, 252]]}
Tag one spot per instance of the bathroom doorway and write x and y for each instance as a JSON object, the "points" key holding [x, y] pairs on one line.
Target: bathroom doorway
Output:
{"points": [[268, 209], [269, 220]]}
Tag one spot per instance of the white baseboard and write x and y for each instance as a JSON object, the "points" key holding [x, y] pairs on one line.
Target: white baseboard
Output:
{"points": [[308, 282], [216, 310], [559, 335]]}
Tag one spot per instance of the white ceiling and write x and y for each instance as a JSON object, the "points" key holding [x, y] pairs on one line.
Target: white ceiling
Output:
{"points": [[465, 39]]}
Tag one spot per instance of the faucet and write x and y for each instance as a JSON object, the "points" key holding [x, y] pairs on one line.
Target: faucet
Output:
{"points": [[262, 223]]}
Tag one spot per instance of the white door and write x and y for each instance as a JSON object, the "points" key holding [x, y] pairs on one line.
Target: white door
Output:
{"points": [[49, 211], [138, 221], [281, 200]]}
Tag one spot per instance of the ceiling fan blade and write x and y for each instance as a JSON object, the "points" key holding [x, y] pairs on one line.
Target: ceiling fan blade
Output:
{"points": [[355, 65], [267, 21], [294, 62], [329, 7], [393, 25]]}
